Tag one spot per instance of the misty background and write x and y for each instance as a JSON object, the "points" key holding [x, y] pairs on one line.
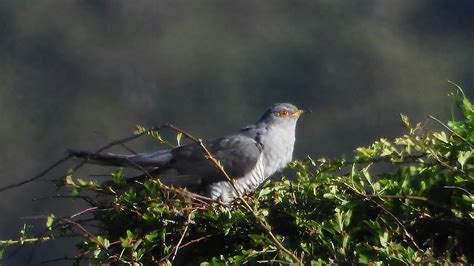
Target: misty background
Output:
{"points": [[78, 74]]}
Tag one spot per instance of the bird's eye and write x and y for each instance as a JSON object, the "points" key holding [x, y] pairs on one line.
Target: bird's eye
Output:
{"points": [[283, 113]]}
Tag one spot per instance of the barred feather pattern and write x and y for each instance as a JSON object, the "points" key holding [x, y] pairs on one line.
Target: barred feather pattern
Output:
{"points": [[224, 191]]}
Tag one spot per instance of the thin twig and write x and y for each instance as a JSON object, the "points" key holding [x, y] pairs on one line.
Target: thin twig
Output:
{"points": [[194, 241], [44, 172], [452, 131], [82, 228], [83, 211], [162, 260], [186, 228], [124, 140], [280, 262], [459, 188], [127, 148]]}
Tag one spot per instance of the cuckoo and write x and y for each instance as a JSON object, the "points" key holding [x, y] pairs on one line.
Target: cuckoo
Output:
{"points": [[249, 156]]}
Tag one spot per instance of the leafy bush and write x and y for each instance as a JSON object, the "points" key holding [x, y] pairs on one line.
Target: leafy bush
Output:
{"points": [[399, 202]]}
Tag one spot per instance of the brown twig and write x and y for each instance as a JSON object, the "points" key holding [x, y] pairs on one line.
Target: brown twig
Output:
{"points": [[163, 260], [82, 228], [186, 228], [83, 211], [194, 241]]}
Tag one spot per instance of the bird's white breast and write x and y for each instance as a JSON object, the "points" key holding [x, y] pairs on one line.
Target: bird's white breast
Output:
{"points": [[278, 150]]}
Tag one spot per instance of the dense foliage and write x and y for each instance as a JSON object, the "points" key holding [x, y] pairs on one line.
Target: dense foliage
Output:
{"points": [[403, 201]]}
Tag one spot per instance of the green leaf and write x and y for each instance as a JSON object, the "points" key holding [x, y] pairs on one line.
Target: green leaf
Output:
{"points": [[106, 243], [405, 120], [463, 157], [152, 236], [96, 253], [179, 135], [2, 250], [69, 180], [263, 192], [50, 221], [117, 176], [383, 238]]}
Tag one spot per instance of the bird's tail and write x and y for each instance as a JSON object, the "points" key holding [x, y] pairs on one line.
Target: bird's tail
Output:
{"points": [[153, 159]]}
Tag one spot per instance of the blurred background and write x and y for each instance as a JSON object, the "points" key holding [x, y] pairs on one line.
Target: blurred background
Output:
{"points": [[78, 74]]}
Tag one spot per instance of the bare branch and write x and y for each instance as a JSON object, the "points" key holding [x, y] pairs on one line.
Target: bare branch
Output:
{"points": [[44, 172]]}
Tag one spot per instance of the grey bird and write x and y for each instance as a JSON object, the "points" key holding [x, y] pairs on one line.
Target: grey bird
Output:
{"points": [[249, 156]]}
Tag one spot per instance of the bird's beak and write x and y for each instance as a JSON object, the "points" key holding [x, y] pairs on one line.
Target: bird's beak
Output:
{"points": [[297, 113]]}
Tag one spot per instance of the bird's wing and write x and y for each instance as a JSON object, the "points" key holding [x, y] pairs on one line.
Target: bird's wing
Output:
{"points": [[188, 164], [238, 155], [153, 159]]}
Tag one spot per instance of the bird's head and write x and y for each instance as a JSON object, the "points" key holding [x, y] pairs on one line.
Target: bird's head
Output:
{"points": [[282, 113]]}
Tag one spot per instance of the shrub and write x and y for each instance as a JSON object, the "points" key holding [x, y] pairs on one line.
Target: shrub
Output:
{"points": [[400, 202]]}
